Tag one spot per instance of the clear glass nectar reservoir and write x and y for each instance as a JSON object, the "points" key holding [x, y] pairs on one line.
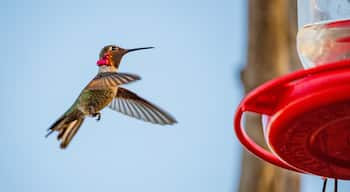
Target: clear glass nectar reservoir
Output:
{"points": [[316, 11], [324, 31]]}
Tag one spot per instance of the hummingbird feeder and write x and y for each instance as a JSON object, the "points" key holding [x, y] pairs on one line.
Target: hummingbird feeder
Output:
{"points": [[306, 114]]}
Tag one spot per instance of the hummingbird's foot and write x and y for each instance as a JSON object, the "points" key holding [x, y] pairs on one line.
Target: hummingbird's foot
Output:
{"points": [[98, 116]]}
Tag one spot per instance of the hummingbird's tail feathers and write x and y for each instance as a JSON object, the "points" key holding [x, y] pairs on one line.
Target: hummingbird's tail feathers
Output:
{"points": [[67, 133], [132, 105], [67, 126], [111, 79], [54, 125]]}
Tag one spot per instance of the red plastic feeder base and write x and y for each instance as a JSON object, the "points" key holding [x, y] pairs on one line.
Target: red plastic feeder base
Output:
{"points": [[316, 141], [308, 128]]}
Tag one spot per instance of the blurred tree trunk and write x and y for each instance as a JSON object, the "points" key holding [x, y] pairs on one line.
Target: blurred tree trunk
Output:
{"points": [[271, 53]]}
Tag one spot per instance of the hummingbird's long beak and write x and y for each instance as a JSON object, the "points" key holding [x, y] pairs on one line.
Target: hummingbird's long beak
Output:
{"points": [[136, 49]]}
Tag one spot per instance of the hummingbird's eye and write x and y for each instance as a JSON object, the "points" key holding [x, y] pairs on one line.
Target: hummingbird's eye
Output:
{"points": [[113, 48]]}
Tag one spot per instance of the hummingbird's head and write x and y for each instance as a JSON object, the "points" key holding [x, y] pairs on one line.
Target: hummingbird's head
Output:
{"points": [[111, 55]]}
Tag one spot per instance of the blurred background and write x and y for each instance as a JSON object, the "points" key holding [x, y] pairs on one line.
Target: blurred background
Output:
{"points": [[49, 50]]}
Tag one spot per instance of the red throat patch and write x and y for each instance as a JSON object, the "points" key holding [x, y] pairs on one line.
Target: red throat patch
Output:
{"points": [[105, 60]]}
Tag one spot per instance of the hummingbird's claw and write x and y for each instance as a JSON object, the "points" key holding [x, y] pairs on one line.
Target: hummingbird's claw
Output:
{"points": [[98, 116]]}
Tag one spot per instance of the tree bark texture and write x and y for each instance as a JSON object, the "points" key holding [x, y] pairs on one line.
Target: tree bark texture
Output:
{"points": [[271, 53]]}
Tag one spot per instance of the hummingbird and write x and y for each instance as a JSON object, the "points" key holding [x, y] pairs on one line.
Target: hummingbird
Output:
{"points": [[105, 90]]}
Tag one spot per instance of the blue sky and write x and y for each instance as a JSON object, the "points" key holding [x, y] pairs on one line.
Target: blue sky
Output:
{"points": [[49, 50]]}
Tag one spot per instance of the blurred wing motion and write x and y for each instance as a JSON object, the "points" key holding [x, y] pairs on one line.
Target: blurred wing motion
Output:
{"points": [[111, 79], [132, 105]]}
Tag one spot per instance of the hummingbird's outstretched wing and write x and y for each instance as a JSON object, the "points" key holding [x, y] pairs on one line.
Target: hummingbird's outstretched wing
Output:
{"points": [[132, 105], [111, 79]]}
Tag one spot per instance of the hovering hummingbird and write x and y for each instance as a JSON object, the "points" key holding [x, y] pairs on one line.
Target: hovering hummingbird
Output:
{"points": [[104, 90]]}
